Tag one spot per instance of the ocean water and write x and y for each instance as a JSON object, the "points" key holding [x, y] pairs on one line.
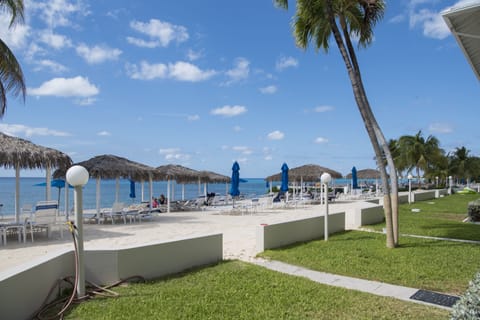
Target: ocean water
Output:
{"points": [[30, 193]]}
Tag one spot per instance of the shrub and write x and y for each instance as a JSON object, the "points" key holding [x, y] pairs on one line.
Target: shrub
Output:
{"points": [[468, 307], [474, 210]]}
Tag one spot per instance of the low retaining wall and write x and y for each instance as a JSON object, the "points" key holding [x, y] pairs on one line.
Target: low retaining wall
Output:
{"points": [[281, 234], [24, 289], [422, 195], [363, 213]]}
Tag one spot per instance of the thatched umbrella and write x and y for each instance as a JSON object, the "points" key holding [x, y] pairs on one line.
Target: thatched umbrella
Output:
{"points": [[178, 173], [365, 174], [22, 154], [213, 177], [308, 173], [305, 173], [115, 167]]}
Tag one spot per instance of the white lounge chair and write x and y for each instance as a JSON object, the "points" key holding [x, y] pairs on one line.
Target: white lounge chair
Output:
{"points": [[46, 217], [116, 212]]}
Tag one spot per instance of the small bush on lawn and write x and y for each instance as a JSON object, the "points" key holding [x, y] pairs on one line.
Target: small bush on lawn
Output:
{"points": [[468, 307]]}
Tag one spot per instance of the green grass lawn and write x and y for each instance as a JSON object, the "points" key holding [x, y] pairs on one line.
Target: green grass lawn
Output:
{"points": [[238, 290], [420, 263], [438, 218]]}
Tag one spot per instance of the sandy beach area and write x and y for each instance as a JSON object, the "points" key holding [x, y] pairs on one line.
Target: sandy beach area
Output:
{"points": [[238, 233]]}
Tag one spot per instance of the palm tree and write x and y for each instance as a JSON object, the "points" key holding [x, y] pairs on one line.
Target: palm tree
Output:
{"points": [[316, 21], [11, 75], [419, 153], [462, 165]]}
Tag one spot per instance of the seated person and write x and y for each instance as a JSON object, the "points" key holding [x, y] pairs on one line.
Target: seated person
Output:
{"points": [[162, 199], [154, 202]]}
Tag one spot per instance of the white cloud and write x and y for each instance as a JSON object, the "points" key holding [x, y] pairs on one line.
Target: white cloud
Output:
{"points": [[193, 117], [432, 23], [440, 128], [15, 37], [275, 135], [268, 89], [320, 140], [229, 111], [65, 87], [97, 54], [286, 62], [194, 55], [243, 150], [239, 72], [174, 154], [56, 41], [237, 128], [323, 109], [104, 134], [159, 33], [20, 129], [56, 13], [268, 157], [184, 71], [146, 71], [86, 101], [51, 65], [181, 71]]}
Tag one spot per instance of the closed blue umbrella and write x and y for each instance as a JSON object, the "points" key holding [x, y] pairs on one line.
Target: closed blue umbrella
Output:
{"points": [[354, 178], [234, 191], [132, 189], [284, 186]]}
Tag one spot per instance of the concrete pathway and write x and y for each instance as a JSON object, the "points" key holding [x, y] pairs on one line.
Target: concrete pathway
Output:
{"points": [[373, 287]]}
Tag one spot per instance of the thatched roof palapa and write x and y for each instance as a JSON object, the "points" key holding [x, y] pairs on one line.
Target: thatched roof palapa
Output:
{"points": [[307, 173], [113, 167], [16, 152], [213, 177], [365, 174], [178, 173]]}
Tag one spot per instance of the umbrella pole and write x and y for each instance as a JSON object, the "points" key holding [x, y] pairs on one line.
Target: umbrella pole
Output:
{"points": [[17, 193], [98, 198], [48, 190]]}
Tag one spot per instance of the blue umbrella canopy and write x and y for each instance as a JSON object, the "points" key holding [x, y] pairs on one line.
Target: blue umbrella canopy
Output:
{"points": [[57, 183], [234, 191], [354, 178], [284, 186]]}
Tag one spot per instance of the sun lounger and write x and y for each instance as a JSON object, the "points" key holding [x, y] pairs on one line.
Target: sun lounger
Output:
{"points": [[115, 213], [46, 218]]}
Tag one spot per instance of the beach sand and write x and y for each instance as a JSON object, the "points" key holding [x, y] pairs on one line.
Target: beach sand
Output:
{"points": [[238, 231]]}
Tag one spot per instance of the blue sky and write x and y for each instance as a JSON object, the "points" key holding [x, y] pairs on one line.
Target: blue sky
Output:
{"points": [[205, 83]]}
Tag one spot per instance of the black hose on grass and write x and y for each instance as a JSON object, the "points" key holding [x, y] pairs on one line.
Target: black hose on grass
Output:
{"points": [[66, 302]]}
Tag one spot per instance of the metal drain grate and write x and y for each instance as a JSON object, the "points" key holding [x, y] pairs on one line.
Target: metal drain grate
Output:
{"points": [[435, 298]]}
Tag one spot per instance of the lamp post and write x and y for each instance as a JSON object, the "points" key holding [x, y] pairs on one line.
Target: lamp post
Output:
{"points": [[325, 179], [450, 185], [77, 176], [410, 177]]}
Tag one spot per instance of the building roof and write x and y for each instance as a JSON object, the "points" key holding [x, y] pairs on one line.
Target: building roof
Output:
{"points": [[464, 22]]}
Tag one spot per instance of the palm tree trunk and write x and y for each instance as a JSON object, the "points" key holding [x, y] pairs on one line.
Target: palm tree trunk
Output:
{"points": [[379, 134], [360, 98]]}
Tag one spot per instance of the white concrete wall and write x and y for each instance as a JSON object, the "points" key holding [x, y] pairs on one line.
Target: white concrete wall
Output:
{"points": [[363, 213], [23, 289], [281, 234], [152, 261]]}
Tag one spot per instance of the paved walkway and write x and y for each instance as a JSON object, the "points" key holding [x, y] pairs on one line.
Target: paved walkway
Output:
{"points": [[373, 287]]}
